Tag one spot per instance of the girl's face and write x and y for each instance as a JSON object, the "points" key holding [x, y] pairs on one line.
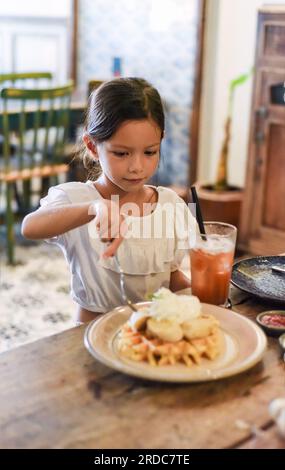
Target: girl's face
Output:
{"points": [[130, 157]]}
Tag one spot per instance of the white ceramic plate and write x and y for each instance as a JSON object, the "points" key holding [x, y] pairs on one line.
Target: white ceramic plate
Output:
{"points": [[244, 346]]}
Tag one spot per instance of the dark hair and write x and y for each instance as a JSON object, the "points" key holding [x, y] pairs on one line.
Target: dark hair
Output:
{"points": [[113, 103]]}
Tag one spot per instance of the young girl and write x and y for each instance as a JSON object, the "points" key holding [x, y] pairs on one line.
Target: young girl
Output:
{"points": [[123, 133]]}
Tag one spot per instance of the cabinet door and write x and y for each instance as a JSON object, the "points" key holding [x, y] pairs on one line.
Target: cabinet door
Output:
{"points": [[264, 211], [267, 230]]}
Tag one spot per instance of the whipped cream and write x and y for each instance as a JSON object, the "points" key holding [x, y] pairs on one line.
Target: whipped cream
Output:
{"points": [[177, 308]]}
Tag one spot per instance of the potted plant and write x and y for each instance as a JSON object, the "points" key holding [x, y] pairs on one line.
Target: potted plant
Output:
{"points": [[220, 200]]}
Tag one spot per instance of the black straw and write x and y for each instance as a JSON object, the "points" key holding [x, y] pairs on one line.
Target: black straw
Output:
{"points": [[198, 213]]}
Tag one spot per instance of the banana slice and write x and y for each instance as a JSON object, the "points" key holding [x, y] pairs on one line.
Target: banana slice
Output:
{"points": [[138, 320], [165, 330], [199, 327]]}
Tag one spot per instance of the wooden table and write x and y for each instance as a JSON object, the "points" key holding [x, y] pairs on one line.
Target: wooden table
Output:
{"points": [[53, 394]]}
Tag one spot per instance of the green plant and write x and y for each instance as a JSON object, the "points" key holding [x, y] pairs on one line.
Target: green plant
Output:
{"points": [[221, 183]]}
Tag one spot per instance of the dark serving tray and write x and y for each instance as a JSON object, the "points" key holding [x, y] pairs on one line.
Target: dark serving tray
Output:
{"points": [[255, 276]]}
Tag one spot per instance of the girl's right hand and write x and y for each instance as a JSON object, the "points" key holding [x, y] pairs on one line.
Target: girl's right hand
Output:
{"points": [[110, 224]]}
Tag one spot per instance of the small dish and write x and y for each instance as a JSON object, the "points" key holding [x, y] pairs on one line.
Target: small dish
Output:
{"points": [[268, 320]]}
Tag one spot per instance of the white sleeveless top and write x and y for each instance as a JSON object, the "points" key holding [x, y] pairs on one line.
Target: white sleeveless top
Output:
{"points": [[147, 261]]}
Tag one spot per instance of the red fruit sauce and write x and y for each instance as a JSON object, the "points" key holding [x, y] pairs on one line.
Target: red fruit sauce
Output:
{"points": [[274, 320]]}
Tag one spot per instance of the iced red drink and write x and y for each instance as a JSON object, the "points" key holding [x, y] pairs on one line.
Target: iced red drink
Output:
{"points": [[211, 263]]}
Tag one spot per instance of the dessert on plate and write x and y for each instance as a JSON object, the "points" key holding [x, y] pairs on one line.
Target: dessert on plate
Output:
{"points": [[172, 330]]}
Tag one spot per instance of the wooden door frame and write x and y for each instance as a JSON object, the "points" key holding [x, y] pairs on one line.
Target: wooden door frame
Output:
{"points": [[196, 101], [73, 40]]}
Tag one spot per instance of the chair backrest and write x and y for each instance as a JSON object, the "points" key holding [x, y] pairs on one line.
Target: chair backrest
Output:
{"points": [[35, 121], [92, 85], [25, 79]]}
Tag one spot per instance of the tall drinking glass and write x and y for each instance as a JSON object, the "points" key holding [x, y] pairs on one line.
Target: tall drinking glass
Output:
{"points": [[211, 263]]}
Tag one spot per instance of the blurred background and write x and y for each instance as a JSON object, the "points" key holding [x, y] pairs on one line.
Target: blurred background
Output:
{"points": [[85, 39]]}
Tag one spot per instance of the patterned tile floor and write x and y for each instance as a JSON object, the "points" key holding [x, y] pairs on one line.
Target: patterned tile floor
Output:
{"points": [[34, 294]]}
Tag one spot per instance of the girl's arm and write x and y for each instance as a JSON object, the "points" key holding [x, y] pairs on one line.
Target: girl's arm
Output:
{"points": [[48, 222], [178, 281]]}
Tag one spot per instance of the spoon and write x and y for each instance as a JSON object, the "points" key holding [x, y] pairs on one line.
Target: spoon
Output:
{"points": [[278, 269], [122, 285]]}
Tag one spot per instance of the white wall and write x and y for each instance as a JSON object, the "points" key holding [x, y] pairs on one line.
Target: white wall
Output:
{"points": [[229, 52], [35, 8]]}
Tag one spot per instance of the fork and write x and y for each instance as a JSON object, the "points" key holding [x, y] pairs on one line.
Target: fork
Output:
{"points": [[122, 285]]}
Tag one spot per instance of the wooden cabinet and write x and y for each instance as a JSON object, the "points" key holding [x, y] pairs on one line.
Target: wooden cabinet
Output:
{"points": [[263, 212]]}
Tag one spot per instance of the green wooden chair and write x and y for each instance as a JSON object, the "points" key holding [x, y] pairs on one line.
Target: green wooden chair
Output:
{"points": [[22, 80], [40, 130], [93, 85], [25, 79]]}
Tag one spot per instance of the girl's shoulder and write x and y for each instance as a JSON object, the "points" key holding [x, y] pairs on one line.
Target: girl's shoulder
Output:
{"points": [[77, 191]]}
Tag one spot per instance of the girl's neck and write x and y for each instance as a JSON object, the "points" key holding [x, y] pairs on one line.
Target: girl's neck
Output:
{"points": [[107, 189]]}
